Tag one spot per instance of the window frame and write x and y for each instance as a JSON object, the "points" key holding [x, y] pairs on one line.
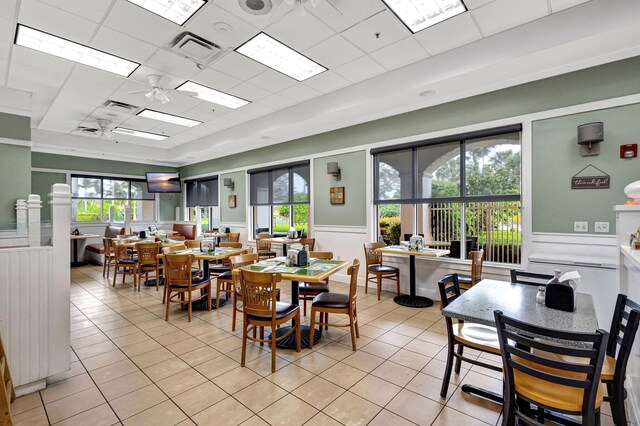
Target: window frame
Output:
{"points": [[102, 199], [415, 202]]}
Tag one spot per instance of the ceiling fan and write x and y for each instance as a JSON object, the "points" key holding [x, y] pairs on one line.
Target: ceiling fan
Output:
{"points": [[103, 128], [156, 92]]}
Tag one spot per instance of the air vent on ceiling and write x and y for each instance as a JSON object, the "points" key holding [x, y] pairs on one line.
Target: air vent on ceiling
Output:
{"points": [[196, 48], [119, 106]]}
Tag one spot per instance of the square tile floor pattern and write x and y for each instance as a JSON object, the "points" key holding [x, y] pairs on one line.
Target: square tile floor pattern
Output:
{"points": [[129, 366]]}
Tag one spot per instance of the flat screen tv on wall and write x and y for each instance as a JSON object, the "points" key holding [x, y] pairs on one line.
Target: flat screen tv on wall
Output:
{"points": [[161, 182]]}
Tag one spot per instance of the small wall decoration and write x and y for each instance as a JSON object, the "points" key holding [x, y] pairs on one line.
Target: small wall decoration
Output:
{"points": [[336, 195], [590, 182], [232, 201]]}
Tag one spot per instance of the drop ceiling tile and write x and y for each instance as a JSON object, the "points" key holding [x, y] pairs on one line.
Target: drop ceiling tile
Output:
{"points": [[168, 129], [334, 52], [239, 66], [122, 45], [250, 92], [258, 21], [327, 82], [504, 14], [139, 23], [350, 12], [385, 23], [96, 77], [213, 110], [299, 32], [205, 129], [195, 114], [216, 79], [4, 67], [140, 123], [256, 110], [221, 27], [276, 101], [93, 10], [9, 8], [272, 81], [399, 54], [360, 69], [56, 21], [474, 4], [30, 64], [558, 5], [7, 33], [169, 62], [449, 34], [300, 93]]}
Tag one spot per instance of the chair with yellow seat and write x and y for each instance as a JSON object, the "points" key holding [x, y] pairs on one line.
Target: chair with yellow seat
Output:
{"points": [[554, 385], [464, 335]]}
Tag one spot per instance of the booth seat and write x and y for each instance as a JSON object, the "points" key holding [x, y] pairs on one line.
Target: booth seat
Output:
{"points": [[187, 230], [96, 250]]}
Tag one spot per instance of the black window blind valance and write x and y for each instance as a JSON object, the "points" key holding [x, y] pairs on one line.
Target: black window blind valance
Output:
{"points": [[202, 192], [280, 184]]}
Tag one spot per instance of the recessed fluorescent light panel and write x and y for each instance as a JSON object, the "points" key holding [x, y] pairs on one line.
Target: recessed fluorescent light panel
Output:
{"points": [[421, 14], [177, 11], [270, 52], [139, 134], [214, 96], [168, 118], [56, 46]]}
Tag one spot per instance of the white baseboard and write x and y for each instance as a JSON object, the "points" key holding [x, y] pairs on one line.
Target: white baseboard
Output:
{"points": [[38, 385]]}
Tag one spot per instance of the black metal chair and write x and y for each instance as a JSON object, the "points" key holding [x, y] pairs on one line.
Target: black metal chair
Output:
{"points": [[534, 374], [476, 336], [529, 278]]}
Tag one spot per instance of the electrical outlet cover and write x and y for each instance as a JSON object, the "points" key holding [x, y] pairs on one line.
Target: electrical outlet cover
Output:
{"points": [[580, 226], [601, 227]]}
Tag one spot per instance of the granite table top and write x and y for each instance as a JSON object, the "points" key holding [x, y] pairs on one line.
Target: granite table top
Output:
{"points": [[519, 301]]}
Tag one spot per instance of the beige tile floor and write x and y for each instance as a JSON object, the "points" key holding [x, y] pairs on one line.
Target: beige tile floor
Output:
{"points": [[129, 366]]}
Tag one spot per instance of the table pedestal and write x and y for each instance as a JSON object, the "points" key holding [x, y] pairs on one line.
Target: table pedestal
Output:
{"points": [[411, 300], [289, 342], [75, 261]]}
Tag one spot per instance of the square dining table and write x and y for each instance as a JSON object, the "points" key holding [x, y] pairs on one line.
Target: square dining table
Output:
{"points": [[315, 272], [518, 301]]}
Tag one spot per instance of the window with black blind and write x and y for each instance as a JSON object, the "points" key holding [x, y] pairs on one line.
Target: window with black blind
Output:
{"points": [[202, 192], [279, 197]]}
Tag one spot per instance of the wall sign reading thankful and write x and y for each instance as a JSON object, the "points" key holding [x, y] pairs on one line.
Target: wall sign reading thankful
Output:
{"points": [[602, 181]]}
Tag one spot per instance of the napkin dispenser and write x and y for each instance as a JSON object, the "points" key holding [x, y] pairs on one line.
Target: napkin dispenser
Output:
{"points": [[416, 242], [297, 257], [561, 292], [292, 234], [207, 245]]}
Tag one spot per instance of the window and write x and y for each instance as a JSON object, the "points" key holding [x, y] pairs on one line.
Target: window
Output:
{"points": [[92, 197], [444, 189], [279, 197], [202, 199]]}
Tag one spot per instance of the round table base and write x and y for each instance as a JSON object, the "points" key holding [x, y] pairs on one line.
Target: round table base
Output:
{"points": [[151, 282], [289, 342], [76, 264], [413, 301], [201, 305]]}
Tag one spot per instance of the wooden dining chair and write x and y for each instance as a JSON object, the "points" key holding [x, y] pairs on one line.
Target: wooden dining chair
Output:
{"points": [[123, 260], [233, 237], [109, 258], [468, 281], [308, 291], [529, 278], [165, 250], [311, 242], [262, 310], [179, 279], [264, 247], [223, 265], [377, 269], [337, 303], [148, 262], [552, 384], [463, 335]]}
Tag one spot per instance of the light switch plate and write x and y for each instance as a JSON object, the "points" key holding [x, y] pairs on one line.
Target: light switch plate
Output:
{"points": [[601, 227], [580, 226]]}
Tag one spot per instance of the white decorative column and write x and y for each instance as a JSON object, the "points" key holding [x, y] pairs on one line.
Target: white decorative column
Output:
{"points": [[21, 217], [127, 219], [59, 322], [198, 221], [178, 218], [34, 205], [112, 212]]}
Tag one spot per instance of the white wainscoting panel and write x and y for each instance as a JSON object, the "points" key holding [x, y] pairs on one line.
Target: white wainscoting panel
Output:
{"points": [[346, 243], [26, 288]]}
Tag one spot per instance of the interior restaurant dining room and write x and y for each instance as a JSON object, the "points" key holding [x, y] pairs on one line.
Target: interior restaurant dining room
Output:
{"points": [[319, 212]]}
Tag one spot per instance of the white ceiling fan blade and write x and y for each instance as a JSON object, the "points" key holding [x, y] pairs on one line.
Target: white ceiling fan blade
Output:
{"points": [[182, 92], [135, 92]]}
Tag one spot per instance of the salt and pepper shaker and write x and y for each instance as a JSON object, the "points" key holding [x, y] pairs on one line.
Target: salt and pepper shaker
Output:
{"points": [[540, 296]]}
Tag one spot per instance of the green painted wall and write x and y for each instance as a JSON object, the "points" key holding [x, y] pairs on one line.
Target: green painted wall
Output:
{"points": [[41, 184], [168, 202], [15, 126], [556, 159], [239, 214], [15, 181], [602, 82], [354, 210]]}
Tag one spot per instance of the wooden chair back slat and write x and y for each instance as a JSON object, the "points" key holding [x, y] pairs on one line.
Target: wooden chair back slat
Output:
{"points": [[229, 244], [324, 255], [148, 253], [353, 280], [259, 292], [178, 268], [371, 256]]}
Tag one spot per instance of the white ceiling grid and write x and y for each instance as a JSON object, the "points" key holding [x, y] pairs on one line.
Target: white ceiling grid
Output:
{"points": [[364, 44]]}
